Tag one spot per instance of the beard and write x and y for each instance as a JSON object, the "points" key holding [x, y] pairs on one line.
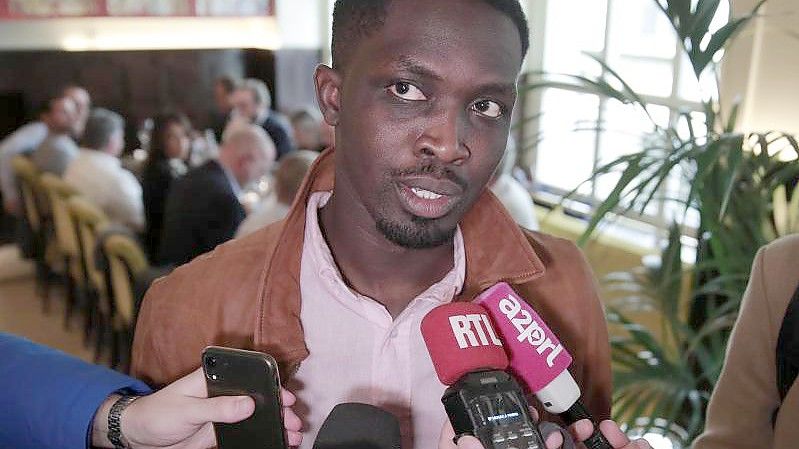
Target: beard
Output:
{"points": [[420, 233], [414, 232]]}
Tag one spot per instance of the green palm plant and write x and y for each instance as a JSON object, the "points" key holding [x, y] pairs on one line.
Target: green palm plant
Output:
{"points": [[660, 378], [664, 380]]}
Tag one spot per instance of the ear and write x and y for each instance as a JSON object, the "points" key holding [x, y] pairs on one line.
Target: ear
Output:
{"points": [[328, 93]]}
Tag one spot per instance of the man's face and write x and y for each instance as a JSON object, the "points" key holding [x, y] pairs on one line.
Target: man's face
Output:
{"points": [[423, 114], [222, 97], [62, 115], [83, 105], [244, 104]]}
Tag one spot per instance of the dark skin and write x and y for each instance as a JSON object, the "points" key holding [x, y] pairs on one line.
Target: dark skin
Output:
{"points": [[423, 102]]}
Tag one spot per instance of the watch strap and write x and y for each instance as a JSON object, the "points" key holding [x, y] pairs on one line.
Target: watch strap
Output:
{"points": [[115, 421]]}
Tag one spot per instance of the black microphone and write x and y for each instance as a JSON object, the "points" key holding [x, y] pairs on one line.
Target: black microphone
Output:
{"points": [[358, 426]]}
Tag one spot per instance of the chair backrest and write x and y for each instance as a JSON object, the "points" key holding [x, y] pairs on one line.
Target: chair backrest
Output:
{"points": [[126, 261], [30, 189], [89, 221], [58, 193]]}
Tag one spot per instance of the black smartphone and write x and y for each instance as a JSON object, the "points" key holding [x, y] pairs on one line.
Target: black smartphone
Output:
{"points": [[236, 372]]}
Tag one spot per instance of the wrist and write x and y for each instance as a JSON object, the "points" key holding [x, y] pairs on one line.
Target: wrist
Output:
{"points": [[115, 429], [99, 431]]}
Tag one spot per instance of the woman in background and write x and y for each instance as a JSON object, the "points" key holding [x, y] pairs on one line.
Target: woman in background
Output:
{"points": [[169, 149]]}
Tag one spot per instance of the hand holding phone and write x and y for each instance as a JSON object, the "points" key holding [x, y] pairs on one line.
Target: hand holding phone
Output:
{"points": [[232, 372]]}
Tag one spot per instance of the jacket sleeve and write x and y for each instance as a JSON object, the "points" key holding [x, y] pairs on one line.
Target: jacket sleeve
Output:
{"points": [[745, 397], [48, 399], [595, 376], [165, 343]]}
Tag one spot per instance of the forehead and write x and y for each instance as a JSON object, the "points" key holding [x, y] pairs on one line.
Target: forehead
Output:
{"points": [[466, 37]]}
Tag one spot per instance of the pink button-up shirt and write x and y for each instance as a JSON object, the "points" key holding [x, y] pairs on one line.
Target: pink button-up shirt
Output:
{"points": [[358, 353]]}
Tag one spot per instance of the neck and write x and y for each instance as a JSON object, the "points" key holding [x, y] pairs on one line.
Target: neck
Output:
{"points": [[373, 265]]}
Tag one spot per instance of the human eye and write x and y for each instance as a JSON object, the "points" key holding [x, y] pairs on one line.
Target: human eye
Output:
{"points": [[406, 91], [488, 108]]}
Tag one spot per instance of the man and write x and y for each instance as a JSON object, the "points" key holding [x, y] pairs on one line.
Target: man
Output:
{"points": [[50, 400], [224, 86], [308, 129], [83, 106], [511, 193], [97, 172], [287, 181], [28, 138], [252, 102], [394, 222], [59, 148], [203, 208]]}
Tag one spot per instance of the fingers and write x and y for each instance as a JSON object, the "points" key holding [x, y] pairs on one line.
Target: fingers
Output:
{"points": [[226, 409], [554, 440], [469, 442], [290, 420], [614, 435], [294, 438], [192, 384], [582, 429], [287, 398]]}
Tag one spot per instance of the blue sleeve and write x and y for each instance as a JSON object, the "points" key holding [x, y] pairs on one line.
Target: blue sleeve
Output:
{"points": [[48, 399]]}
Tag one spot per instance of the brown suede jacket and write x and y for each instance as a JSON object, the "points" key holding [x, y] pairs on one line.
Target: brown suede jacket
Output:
{"points": [[246, 294]]}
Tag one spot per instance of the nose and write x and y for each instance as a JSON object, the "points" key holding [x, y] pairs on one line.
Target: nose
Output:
{"points": [[443, 138]]}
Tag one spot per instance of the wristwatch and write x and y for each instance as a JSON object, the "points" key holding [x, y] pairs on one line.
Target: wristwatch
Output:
{"points": [[115, 424]]}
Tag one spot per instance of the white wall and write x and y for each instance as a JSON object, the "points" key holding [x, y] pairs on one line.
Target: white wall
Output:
{"points": [[762, 67], [119, 33]]}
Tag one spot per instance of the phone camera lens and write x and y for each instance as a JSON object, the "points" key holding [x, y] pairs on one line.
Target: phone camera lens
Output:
{"points": [[211, 362]]}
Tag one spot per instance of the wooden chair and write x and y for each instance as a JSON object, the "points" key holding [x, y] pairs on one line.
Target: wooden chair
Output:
{"points": [[34, 243], [58, 193], [126, 263], [89, 221]]}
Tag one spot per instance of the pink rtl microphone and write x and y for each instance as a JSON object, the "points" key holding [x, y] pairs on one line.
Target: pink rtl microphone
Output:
{"points": [[537, 357]]}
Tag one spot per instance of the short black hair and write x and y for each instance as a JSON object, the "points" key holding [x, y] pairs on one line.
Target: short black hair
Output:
{"points": [[356, 19]]}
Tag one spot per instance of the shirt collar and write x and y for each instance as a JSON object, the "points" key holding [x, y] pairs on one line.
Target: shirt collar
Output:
{"points": [[322, 260]]}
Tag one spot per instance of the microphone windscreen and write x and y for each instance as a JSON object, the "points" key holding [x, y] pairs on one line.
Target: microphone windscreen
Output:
{"points": [[535, 353], [358, 426], [460, 340]]}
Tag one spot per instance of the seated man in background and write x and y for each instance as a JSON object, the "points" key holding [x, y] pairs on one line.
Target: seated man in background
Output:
{"points": [[59, 147], [308, 129], [252, 103], [97, 172], [29, 137], [224, 86], [511, 193], [288, 178], [203, 208]]}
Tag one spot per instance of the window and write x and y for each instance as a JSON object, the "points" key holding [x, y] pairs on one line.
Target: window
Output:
{"points": [[577, 131]]}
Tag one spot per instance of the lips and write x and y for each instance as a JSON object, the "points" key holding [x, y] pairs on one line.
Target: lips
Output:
{"points": [[428, 197]]}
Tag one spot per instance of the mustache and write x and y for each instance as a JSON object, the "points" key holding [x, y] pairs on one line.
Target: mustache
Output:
{"points": [[431, 169]]}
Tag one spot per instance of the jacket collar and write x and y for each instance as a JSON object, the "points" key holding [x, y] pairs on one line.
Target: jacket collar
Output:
{"points": [[496, 250]]}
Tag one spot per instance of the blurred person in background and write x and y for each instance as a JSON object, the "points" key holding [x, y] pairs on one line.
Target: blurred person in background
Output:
{"points": [[224, 86], [29, 137], [252, 102], [203, 208], [97, 172], [308, 129], [747, 408], [166, 161], [59, 147], [289, 175], [83, 105], [511, 193]]}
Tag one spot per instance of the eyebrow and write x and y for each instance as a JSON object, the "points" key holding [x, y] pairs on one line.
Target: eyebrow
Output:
{"points": [[413, 66]]}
